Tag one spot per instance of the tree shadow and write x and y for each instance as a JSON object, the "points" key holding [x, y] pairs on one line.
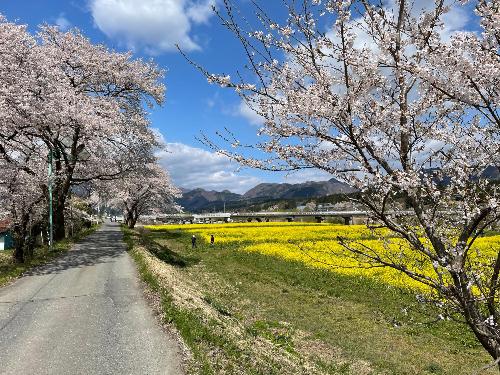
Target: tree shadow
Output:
{"points": [[165, 254], [164, 234], [102, 246]]}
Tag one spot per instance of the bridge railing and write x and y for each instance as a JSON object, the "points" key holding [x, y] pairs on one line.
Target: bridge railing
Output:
{"points": [[283, 214], [261, 214]]}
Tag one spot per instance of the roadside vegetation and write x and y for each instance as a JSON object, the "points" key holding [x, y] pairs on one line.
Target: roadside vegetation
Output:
{"points": [[10, 269], [247, 312]]}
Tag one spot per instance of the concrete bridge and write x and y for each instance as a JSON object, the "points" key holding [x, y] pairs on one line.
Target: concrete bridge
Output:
{"points": [[319, 216]]}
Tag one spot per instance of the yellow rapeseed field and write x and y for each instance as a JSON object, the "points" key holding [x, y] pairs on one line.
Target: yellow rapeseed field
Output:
{"points": [[317, 245]]}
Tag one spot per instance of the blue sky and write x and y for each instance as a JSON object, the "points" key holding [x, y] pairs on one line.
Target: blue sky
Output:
{"points": [[151, 28]]}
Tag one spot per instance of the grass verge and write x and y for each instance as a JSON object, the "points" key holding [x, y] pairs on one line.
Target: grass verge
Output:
{"points": [[9, 270], [247, 313]]}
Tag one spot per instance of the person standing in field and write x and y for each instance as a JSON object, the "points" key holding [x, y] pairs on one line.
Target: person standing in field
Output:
{"points": [[193, 241], [212, 240]]}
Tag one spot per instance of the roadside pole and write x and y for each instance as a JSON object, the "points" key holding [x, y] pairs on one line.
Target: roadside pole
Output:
{"points": [[51, 222]]}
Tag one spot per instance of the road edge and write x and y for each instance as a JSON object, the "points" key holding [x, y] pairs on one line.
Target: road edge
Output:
{"points": [[154, 297]]}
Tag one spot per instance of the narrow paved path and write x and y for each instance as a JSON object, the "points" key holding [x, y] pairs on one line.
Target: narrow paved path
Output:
{"points": [[84, 313]]}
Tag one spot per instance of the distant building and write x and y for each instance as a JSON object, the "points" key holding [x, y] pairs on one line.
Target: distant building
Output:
{"points": [[5, 236]]}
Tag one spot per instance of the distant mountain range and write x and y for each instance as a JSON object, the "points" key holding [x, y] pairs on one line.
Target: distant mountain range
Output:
{"points": [[266, 195], [309, 189], [197, 200]]}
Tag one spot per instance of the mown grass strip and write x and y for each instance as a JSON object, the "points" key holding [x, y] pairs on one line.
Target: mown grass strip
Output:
{"points": [[195, 332]]}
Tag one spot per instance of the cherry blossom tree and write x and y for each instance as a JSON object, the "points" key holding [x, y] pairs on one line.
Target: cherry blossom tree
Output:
{"points": [[22, 161], [22, 193], [104, 130], [147, 190], [79, 104], [383, 96], [84, 102]]}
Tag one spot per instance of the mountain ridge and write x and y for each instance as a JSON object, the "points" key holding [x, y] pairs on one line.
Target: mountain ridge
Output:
{"points": [[200, 199], [267, 194]]}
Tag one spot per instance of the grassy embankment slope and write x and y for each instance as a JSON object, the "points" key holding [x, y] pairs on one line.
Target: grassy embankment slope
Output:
{"points": [[245, 312], [10, 270]]}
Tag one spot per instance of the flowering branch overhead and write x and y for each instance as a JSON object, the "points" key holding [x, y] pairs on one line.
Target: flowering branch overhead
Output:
{"points": [[387, 101]]}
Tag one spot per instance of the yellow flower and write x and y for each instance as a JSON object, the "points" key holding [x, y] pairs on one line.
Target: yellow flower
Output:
{"points": [[317, 245]]}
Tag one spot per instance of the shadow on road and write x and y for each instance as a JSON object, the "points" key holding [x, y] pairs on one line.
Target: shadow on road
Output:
{"points": [[100, 247]]}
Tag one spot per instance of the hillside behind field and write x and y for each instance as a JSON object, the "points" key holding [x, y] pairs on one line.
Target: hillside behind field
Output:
{"points": [[262, 195]]}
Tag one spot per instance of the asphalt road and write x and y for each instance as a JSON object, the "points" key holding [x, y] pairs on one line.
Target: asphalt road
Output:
{"points": [[84, 313]]}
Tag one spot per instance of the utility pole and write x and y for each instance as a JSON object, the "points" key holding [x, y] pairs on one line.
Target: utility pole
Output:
{"points": [[51, 221], [71, 216]]}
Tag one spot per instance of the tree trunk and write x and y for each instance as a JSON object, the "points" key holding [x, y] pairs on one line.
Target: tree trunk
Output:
{"points": [[58, 218], [18, 238], [485, 333], [132, 220], [492, 346], [19, 235], [130, 215], [31, 239], [61, 192], [127, 218]]}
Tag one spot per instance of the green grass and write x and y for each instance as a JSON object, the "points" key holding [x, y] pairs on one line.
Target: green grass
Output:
{"points": [[340, 324], [10, 270], [193, 330]]}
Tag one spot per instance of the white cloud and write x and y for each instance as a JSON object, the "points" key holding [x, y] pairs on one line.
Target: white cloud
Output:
{"points": [[159, 136], [213, 100], [154, 25], [456, 19], [201, 12], [210, 102], [249, 114], [63, 23], [192, 167]]}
